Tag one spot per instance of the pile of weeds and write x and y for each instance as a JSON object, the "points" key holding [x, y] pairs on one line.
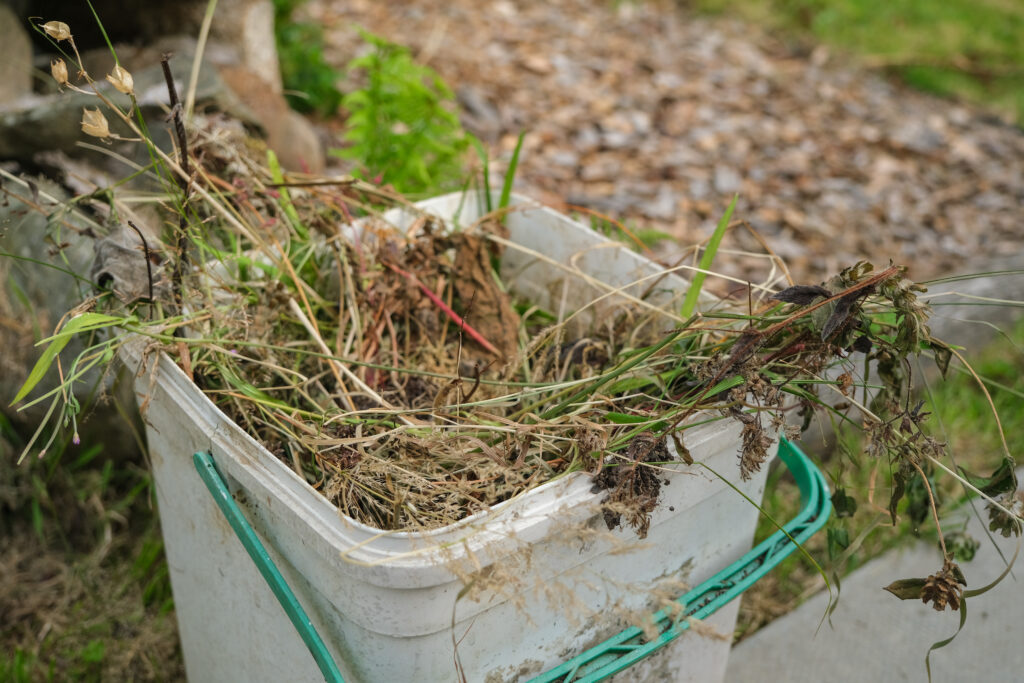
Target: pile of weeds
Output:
{"points": [[388, 362], [390, 366]]}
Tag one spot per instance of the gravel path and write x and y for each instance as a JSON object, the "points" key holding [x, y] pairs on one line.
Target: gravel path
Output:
{"points": [[658, 117]]}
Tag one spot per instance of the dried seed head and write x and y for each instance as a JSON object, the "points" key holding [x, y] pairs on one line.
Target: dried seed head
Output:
{"points": [[962, 545], [754, 452], [94, 123], [1007, 525], [59, 70], [57, 30], [590, 440], [944, 588], [121, 79]]}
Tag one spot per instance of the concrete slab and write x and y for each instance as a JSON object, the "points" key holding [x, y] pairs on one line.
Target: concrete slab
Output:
{"points": [[876, 638]]}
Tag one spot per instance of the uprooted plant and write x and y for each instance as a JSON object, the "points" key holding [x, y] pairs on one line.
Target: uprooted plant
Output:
{"points": [[386, 361]]}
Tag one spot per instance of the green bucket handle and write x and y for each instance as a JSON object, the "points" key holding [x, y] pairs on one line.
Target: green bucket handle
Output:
{"points": [[630, 646], [215, 483], [617, 653]]}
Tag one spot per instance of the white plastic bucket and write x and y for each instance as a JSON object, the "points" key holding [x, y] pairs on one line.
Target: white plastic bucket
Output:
{"points": [[388, 605]]}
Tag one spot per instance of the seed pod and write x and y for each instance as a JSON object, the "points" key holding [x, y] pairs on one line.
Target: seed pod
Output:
{"points": [[59, 70], [94, 123], [57, 30], [942, 589], [121, 79]]}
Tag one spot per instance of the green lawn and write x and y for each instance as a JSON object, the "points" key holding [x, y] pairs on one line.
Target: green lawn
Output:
{"points": [[970, 49]]}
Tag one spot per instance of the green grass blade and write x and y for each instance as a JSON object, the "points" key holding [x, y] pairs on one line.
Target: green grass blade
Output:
{"points": [[286, 199], [81, 323], [106, 38], [690, 303], [725, 384], [46, 264], [510, 175]]}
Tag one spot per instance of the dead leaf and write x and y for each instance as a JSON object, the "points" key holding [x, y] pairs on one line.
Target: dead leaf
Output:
{"points": [[906, 589], [801, 295], [943, 354], [840, 314]]}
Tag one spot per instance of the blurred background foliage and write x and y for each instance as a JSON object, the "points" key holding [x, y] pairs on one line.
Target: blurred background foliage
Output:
{"points": [[310, 83], [401, 123], [970, 49]]}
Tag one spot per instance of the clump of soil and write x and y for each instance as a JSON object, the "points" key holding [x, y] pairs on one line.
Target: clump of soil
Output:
{"points": [[634, 489]]}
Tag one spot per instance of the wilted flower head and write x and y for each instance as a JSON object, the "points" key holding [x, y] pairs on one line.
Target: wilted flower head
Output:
{"points": [[944, 588], [59, 70], [94, 123], [121, 79], [57, 30]]}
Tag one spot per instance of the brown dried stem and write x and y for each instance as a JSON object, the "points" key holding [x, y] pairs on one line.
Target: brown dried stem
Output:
{"points": [[752, 339], [935, 510], [184, 182]]}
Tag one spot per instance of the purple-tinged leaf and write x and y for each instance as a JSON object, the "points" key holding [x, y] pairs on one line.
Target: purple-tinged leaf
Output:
{"points": [[802, 295]]}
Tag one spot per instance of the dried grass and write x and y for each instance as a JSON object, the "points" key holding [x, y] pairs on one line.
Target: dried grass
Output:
{"points": [[392, 369]]}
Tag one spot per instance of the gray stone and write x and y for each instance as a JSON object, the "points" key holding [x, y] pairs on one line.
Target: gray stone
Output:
{"points": [[37, 123], [35, 295], [699, 188], [616, 139], [480, 116], [565, 157], [15, 56], [918, 136], [956, 320], [587, 138], [663, 207], [242, 28], [727, 180], [37, 292]]}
